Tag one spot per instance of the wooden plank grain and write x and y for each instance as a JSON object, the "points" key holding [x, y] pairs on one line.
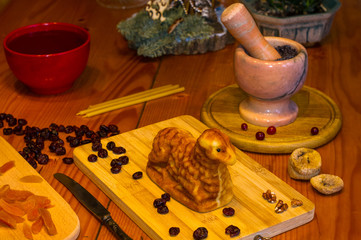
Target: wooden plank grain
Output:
{"points": [[135, 197]]}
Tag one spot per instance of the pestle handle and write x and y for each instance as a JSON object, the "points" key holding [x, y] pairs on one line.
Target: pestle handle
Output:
{"points": [[243, 28]]}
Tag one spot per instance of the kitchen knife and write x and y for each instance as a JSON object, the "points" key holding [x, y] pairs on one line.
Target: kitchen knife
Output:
{"points": [[92, 204]]}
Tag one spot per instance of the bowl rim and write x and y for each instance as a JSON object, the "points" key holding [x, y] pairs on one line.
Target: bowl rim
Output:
{"points": [[46, 25]]}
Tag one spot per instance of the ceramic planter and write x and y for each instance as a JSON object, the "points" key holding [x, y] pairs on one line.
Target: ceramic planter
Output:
{"points": [[270, 84], [306, 29]]}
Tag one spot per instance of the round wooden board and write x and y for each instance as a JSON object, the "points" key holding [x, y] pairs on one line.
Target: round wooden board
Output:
{"points": [[315, 110]]}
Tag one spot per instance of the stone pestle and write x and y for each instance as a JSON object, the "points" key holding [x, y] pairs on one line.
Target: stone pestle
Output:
{"points": [[243, 28]]}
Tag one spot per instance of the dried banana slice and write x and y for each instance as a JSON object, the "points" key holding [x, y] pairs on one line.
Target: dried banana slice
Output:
{"points": [[327, 183], [304, 163]]}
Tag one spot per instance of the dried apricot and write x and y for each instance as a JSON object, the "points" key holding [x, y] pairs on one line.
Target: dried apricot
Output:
{"points": [[37, 225], [11, 208], [27, 231], [6, 167], [7, 219], [48, 221], [16, 195]]}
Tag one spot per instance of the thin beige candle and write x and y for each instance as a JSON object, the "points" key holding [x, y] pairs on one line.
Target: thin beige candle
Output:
{"points": [[128, 98], [139, 94], [133, 102]]}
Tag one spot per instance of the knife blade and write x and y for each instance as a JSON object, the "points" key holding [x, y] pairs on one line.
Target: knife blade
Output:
{"points": [[92, 204]]}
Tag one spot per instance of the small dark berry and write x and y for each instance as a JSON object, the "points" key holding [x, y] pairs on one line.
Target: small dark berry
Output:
{"points": [[314, 131], [137, 175], [233, 231], [163, 209], [118, 150], [200, 233], [244, 126], [260, 135], [166, 196], [228, 211], [115, 170], [102, 153], [159, 202], [92, 158], [68, 160], [174, 231], [271, 130]]}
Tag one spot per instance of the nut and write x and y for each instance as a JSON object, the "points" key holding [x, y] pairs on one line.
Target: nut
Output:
{"points": [[281, 207], [296, 202], [269, 196]]}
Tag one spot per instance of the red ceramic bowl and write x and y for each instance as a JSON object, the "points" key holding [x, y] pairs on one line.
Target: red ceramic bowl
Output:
{"points": [[48, 57]]}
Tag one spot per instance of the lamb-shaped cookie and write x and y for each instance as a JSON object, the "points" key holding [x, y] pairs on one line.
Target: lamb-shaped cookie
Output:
{"points": [[193, 171]]}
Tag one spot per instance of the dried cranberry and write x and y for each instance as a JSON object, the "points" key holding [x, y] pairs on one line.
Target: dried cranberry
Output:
{"points": [[271, 130], [110, 145], [174, 231], [244, 126], [118, 150], [314, 131], [68, 160], [92, 158], [228, 211], [124, 160], [200, 233], [115, 170], [159, 202], [163, 209], [260, 135], [102, 153], [137, 175], [166, 197], [233, 231]]}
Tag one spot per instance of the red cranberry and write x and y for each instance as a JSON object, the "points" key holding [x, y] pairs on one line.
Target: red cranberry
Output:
{"points": [[260, 135], [314, 131], [271, 130], [174, 231], [244, 126]]}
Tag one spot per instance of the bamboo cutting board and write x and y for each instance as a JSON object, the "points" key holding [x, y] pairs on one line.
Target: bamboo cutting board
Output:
{"points": [[253, 216], [61, 212]]}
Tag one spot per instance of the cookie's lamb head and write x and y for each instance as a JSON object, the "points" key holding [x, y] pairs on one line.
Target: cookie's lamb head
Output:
{"points": [[217, 146]]}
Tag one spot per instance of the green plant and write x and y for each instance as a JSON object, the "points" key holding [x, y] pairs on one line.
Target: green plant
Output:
{"points": [[286, 8]]}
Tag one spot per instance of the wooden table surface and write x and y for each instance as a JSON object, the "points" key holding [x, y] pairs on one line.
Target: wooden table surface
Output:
{"points": [[114, 70]]}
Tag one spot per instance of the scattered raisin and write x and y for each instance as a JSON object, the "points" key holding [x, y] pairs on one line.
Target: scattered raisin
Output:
{"points": [[124, 160], [244, 126], [228, 211], [102, 153], [137, 175], [159, 202], [115, 170], [163, 210], [200, 233], [174, 231], [110, 145], [68, 160], [233, 231], [92, 158], [166, 197], [118, 150], [43, 159]]}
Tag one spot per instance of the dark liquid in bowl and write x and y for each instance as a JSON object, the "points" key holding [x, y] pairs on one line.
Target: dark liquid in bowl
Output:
{"points": [[46, 42]]}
